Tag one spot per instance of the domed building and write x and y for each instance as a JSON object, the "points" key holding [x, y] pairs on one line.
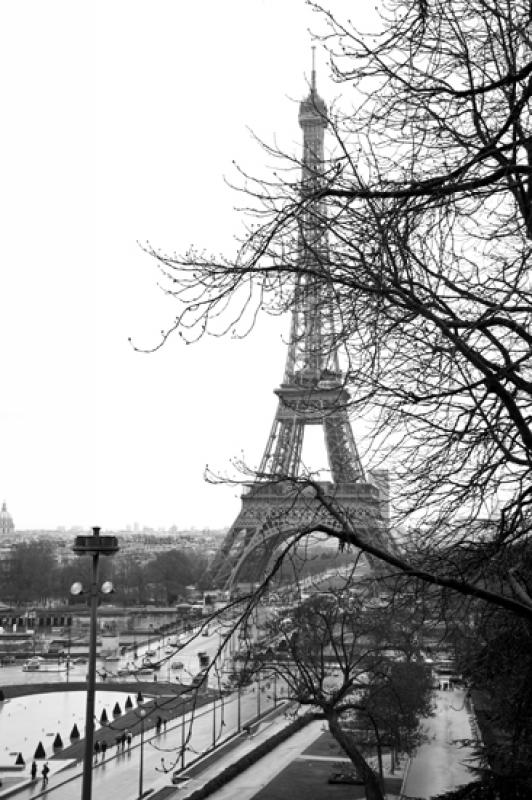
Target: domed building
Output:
{"points": [[6, 521]]}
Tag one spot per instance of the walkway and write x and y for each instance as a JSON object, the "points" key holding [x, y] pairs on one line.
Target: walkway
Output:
{"points": [[441, 764], [252, 780]]}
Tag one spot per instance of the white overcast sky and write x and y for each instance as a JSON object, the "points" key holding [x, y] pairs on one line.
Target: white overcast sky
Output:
{"points": [[120, 121]]}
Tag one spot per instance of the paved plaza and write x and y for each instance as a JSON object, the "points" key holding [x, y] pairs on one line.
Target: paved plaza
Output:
{"points": [[304, 762]]}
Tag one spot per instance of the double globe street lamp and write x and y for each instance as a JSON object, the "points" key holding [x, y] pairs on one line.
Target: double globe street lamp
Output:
{"points": [[95, 546], [142, 715]]}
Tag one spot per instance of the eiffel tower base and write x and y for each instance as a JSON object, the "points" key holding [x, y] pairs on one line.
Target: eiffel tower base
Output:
{"points": [[274, 512]]}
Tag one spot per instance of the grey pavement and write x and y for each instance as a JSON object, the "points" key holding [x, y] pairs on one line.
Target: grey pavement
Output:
{"points": [[441, 764], [249, 782]]}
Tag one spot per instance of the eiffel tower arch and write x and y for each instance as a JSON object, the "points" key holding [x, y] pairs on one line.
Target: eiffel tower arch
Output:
{"points": [[275, 506]]}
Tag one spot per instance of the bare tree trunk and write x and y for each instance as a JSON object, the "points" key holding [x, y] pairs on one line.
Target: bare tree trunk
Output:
{"points": [[379, 757], [379, 745], [347, 742]]}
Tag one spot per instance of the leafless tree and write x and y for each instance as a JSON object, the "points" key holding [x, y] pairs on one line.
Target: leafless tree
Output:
{"points": [[426, 202], [337, 653]]}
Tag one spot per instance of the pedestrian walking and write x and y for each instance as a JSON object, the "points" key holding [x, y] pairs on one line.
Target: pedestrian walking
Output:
{"points": [[158, 725], [103, 749], [123, 741], [44, 772], [164, 724], [129, 737], [33, 771], [96, 751], [117, 741]]}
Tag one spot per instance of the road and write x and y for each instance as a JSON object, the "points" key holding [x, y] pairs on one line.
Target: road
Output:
{"points": [[440, 764], [118, 776]]}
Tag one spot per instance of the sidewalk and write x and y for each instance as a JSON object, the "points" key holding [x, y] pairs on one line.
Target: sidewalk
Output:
{"points": [[442, 763], [251, 780], [13, 781]]}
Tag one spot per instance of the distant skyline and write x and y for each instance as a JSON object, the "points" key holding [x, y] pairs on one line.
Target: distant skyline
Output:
{"points": [[132, 528], [121, 124]]}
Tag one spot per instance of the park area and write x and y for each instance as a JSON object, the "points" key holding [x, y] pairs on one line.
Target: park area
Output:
{"points": [[308, 776]]}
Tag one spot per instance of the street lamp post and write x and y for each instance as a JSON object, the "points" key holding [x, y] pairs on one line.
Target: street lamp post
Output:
{"points": [[94, 546], [69, 625], [142, 713], [183, 744]]}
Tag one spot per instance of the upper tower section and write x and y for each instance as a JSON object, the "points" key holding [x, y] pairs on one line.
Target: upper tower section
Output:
{"points": [[312, 352], [312, 110], [313, 121]]}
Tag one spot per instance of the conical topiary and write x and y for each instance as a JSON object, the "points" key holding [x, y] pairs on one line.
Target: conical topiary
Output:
{"points": [[74, 733], [103, 717], [58, 742], [39, 753], [129, 703], [117, 710], [20, 760], [139, 697]]}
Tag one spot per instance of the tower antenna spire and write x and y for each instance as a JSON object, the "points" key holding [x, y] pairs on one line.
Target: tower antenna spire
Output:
{"points": [[313, 74]]}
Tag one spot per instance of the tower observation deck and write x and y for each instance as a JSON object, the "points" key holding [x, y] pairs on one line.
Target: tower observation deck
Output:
{"points": [[312, 392]]}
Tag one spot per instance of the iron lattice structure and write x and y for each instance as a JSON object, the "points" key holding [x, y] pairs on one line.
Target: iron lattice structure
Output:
{"points": [[274, 505]]}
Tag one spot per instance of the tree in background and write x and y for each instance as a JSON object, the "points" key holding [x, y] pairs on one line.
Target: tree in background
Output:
{"points": [[30, 573], [33, 575], [393, 704], [171, 572]]}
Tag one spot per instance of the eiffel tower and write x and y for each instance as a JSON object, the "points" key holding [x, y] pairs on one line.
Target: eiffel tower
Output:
{"points": [[312, 392]]}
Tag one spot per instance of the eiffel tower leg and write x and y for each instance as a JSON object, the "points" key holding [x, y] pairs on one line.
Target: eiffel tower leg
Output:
{"points": [[344, 460], [221, 567], [252, 566], [244, 554], [283, 451]]}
